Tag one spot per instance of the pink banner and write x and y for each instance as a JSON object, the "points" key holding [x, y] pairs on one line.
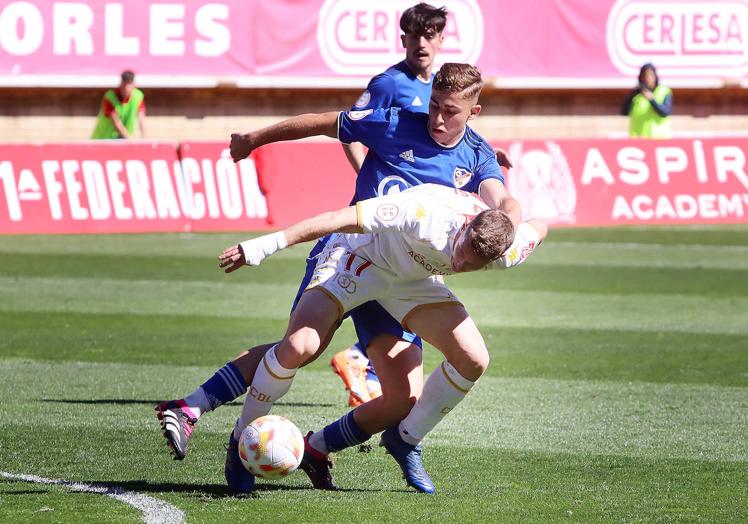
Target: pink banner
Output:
{"points": [[126, 187], [342, 42], [142, 187], [612, 182]]}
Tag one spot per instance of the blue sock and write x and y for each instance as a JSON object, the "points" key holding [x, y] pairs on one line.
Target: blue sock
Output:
{"points": [[226, 385], [344, 433]]}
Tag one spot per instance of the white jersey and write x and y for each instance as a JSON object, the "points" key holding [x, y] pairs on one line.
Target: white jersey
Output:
{"points": [[407, 245], [412, 233]]}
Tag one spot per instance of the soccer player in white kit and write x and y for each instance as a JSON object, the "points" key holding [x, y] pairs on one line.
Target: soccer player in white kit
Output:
{"points": [[392, 249]]}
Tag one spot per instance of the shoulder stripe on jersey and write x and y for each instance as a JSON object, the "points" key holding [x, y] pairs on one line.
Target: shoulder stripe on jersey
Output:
{"points": [[487, 148], [473, 139], [477, 141]]}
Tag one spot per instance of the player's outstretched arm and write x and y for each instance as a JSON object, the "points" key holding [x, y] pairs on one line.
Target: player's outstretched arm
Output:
{"points": [[528, 237], [495, 195], [253, 252], [294, 128], [355, 154]]}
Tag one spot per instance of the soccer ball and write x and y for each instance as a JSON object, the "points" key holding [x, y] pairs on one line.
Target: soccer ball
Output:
{"points": [[271, 447]]}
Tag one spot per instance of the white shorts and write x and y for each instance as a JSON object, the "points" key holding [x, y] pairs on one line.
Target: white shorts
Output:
{"points": [[351, 280]]}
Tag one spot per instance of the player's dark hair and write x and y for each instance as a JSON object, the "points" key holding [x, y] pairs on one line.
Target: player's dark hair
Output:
{"points": [[492, 232], [421, 18], [128, 77], [458, 78]]}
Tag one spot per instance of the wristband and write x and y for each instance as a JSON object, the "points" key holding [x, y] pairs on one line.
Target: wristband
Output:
{"points": [[258, 249]]}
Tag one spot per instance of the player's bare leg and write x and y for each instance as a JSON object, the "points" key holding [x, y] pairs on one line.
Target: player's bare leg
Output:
{"points": [[248, 361], [449, 328], [400, 369], [309, 331], [178, 417], [401, 372]]}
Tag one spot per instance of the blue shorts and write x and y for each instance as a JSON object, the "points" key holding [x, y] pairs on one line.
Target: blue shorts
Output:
{"points": [[369, 319]]}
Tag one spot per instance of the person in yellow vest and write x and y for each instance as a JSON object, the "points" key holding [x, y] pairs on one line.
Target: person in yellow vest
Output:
{"points": [[649, 106], [120, 109]]}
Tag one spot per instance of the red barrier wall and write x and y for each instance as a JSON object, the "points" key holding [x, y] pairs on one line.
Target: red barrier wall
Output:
{"points": [[97, 187]]}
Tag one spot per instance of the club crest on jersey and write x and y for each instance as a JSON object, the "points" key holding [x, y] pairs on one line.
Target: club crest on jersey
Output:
{"points": [[358, 115], [462, 177], [387, 212], [363, 100]]}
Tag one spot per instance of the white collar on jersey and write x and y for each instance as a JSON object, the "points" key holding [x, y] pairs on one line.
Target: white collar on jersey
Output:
{"points": [[448, 146]]}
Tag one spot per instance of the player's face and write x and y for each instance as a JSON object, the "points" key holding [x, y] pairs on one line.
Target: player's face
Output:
{"points": [[464, 257], [448, 116], [420, 50]]}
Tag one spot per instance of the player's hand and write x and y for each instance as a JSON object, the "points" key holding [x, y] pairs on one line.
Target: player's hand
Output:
{"points": [[241, 146], [646, 93], [502, 157], [251, 252], [232, 258]]}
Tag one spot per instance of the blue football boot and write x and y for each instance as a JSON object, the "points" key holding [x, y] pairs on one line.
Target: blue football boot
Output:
{"points": [[408, 457], [239, 480]]}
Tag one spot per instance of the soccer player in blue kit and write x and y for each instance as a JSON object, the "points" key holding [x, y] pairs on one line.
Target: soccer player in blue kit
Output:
{"points": [[406, 85], [406, 148]]}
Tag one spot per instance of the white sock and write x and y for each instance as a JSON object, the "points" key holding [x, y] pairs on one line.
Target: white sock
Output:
{"points": [[444, 389], [198, 402], [270, 383], [317, 441]]}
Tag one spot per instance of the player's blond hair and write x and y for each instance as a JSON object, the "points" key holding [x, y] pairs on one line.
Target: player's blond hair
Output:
{"points": [[459, 78], [492, 232]]}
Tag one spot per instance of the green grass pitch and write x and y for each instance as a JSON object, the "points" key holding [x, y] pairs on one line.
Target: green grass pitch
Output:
{"points": [[617, 390]]}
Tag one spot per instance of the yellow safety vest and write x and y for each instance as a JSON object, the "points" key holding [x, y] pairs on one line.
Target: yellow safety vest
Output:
{"points": [[127, 112], [644, 121]]}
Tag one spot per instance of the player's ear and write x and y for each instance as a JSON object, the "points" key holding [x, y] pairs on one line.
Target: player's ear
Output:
{"points": [[402, 40], [474, 111]]}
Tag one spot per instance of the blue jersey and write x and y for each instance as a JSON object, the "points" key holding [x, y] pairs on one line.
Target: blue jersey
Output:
{"points": [[403, 154], [396, 87]]}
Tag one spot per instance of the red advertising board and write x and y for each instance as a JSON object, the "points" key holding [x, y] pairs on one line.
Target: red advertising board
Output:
{"points": [[114, 187], [553, 43], [612, 182], [305, 178], [137, 187], [221, 195]]}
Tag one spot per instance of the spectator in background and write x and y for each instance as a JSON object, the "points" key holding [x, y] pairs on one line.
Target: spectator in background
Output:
{"points": [[120, 109], [649, 106]]}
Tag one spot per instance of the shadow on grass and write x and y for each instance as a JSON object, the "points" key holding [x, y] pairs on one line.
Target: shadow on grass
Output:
{"points": [[199, 490], [128, 401], [25, 492], [214, 490]]}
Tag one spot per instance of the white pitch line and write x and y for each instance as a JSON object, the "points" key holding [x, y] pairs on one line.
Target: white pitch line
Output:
{"points": [[154, 511]]}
